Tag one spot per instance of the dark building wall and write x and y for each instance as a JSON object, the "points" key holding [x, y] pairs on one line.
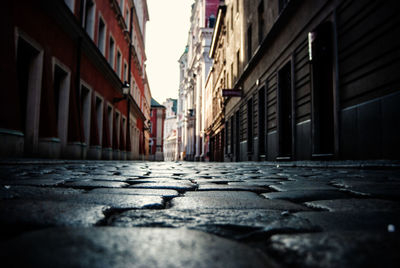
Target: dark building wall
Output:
{"points": [[369, 61], [359, 85]]}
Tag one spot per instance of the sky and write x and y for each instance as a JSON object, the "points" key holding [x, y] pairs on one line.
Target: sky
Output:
{"points": [[166, 38]]}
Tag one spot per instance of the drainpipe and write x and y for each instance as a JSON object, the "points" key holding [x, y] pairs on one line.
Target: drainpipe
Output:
{"points": [[129, 76], [78, 73]]}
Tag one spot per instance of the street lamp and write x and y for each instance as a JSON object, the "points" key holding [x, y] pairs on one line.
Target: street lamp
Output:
{"points": [[125, 92]]}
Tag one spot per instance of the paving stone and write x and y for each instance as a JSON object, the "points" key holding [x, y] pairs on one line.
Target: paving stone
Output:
{"points": [[202, 202], [111, 178], [116, 201], [36, 213], [121, 247], [339, 249], [256, 182], [355, 205], [212, 180], [352, 220], [222, 187], [234, 224], [302, 185], [90, 184], [224, 194], [33, 192], [385, 191], [174, 185], [306, 195], [33, 182], [132, 191]]}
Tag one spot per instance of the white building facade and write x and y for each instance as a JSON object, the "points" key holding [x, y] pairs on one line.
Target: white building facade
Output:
{"points": [[170, 130], [195, 65]]}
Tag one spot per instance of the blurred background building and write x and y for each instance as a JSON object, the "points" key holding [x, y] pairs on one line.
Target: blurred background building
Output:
{"points": [[156, 128], [195, 65], [170, 130]]}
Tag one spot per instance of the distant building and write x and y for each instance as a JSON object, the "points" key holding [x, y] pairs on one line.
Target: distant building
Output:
{"points": [[65, 66], [195, 65], [156, 144], [217, 81], [170, 130]]}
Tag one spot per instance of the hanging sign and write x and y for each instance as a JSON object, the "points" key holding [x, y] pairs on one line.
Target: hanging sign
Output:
{"points": [[231, 93]]}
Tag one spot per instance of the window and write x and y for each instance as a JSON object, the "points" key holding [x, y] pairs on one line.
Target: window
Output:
{"points": [[211, 21], [70, 4], [237, 63], [127, 18], [110, 121], [249, 43], [89, 17], [99, 117], [118, 125], [101, 42], [111, 52], [123, 129], [121, 5], [231, 75], [85, 108], [282, 5], [260, 22], [125, 72], [61, 89], [119, 64], [232, 18]]}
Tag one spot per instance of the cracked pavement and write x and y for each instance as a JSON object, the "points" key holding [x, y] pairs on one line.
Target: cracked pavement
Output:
{"points": [[184, 214]]}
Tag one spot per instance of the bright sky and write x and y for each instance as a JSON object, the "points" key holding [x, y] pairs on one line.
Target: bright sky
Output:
{"points": [[166, 38]]}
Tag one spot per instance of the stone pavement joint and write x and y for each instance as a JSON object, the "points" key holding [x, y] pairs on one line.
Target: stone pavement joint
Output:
{"points": [[184, 214]]}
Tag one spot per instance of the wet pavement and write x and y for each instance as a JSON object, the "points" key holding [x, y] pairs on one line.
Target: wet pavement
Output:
{"points": [[185, 214]]}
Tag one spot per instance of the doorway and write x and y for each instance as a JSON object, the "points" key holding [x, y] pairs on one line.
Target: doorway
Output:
{"points": [[322, 78], [237, 136], [29, 75], [261, 124], [285, 111]]}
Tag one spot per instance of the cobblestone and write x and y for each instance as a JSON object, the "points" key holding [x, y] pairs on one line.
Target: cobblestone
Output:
{"points": [[126, 214]]}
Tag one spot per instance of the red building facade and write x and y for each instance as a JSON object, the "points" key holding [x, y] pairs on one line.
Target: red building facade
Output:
{"points": [[66, 65]]}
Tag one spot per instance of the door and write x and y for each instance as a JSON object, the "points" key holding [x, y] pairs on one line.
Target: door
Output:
{"points": [[323, 106], [285, 111]]}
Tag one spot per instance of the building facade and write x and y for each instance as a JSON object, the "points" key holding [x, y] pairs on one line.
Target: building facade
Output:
{"points": [[185, 116], [217, 81], [170, 130], [195, 64], [64, 87], [317, 80], [156, 143]]}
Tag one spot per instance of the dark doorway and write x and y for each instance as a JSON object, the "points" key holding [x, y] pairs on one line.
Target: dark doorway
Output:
{"points": [[232, 135], [250, 126], [59, 79], [212, 149], [261, 124], [322, 73], [285, 111], [26, 55], [237, 136]]}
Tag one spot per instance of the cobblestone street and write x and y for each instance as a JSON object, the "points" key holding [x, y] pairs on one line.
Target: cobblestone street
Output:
{"points": [[185, 214]]}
